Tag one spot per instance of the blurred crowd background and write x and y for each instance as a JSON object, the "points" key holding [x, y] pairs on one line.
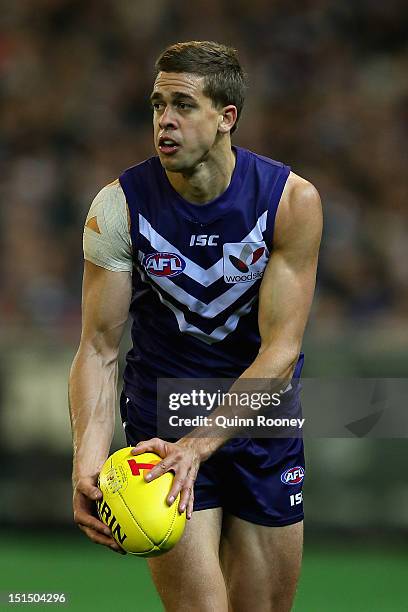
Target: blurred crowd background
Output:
{"points": [[328, 95]]}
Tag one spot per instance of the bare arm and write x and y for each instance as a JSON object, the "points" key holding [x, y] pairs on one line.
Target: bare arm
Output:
{"points": [[288, 285], [92, 388], [286, 295]]}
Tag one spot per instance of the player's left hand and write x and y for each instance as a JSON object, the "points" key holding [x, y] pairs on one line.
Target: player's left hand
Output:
{"points": [[183, 459]]}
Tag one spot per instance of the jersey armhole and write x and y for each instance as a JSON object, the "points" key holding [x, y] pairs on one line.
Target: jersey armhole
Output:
{"points": [[128, 187], [274, 201]]}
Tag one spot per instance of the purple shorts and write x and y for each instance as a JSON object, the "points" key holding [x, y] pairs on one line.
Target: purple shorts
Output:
{"points": [[256, 479]]}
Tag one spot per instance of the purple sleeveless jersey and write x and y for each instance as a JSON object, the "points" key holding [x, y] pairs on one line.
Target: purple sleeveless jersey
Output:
{"points": [[197, 273], [196, 279]]}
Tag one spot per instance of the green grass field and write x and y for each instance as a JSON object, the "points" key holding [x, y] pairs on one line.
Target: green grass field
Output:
{"points": [[333, 580]]}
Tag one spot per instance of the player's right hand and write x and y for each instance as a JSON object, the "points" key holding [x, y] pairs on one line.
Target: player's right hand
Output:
{"points": [[86, 493]]}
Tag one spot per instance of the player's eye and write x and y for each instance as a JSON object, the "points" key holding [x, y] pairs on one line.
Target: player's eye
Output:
{"points": [[157, 105], [183, 105]]}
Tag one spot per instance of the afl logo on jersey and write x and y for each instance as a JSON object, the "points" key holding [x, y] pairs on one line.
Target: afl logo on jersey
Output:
{"points": [[293, 476], [164, 264]]}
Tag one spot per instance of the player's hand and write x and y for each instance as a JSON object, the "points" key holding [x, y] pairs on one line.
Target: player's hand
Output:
{"points": [[86, 493], [183, 459]]}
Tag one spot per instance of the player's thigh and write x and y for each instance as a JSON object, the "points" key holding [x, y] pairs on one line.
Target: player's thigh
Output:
{"points": [[189, 577], [261, 564]]}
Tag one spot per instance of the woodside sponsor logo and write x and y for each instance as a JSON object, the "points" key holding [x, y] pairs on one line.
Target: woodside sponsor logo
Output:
{"points": [[248, 259]]}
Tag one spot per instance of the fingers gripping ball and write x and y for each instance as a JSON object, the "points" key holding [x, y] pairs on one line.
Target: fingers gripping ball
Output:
{"points": [[137, 512]]}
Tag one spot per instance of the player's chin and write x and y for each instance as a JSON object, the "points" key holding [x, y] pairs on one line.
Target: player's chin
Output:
{"points": [[173, 162]]}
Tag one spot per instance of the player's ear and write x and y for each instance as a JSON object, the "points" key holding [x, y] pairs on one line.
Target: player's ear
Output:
{"points": [[227, 119]]}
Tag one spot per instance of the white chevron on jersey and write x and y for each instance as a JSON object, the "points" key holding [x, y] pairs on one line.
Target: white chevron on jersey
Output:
{"points": [[205, 277], [210, 310], [187, 328]]}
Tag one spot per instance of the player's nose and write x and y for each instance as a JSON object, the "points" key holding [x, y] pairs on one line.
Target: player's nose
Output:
{"points": [[167, 119]]}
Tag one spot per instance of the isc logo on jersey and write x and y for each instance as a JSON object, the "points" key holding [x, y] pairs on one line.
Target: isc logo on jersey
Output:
{"points": [[293, 476], [164, 264], [244, 261]]}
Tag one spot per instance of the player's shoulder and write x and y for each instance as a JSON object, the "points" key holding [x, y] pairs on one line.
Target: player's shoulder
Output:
{"points": [[296, 186], [300, 197], [110, 202], [112, 192], [299, 216]]}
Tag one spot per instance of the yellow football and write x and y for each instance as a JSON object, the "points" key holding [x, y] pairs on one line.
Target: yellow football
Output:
{"points": [[136, 511]]}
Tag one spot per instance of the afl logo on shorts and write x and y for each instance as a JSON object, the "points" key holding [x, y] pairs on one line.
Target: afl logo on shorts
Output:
{"points": [[164, 264], [293, 476]]}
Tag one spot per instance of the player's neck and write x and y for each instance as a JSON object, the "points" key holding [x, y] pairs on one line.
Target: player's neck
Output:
{"points": [[209, 179]]}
